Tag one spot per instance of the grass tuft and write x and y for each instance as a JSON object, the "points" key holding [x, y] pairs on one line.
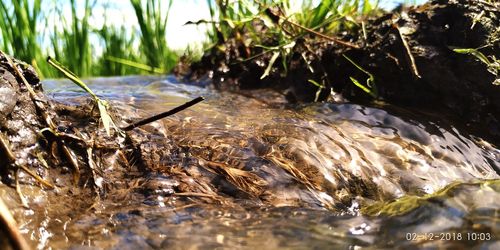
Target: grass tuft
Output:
{"points": [[103, 105], [152, 18], [33, 29], [274, 28], [19, 20]]}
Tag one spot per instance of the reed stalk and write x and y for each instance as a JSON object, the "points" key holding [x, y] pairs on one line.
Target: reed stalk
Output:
{"points": [[152, 19]]}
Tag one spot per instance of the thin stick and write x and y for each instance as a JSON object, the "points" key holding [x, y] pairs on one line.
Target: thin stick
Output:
{"points": [[4, 146], [164, 114], [413, 65], [333, 39], [14, 67]]}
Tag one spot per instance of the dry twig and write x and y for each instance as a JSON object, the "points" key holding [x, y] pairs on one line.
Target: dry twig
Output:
{"points": [[413, 65]]}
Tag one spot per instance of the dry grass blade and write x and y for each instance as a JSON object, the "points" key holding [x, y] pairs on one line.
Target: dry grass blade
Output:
{"points": [[96, 179], [246, 181], [24, 202], [4, 146], [194, 194], [14, 66], [295, 172], [330, 38], [106, 119], [71, 157], [270, 65], [37, 177]]}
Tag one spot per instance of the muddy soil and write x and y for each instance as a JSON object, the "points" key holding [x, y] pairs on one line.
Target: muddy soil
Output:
{"points": [[409, 53], [68, 166], [56, 159]]}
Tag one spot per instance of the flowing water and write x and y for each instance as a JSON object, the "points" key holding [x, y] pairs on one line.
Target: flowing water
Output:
{"points": [[324, 176]]}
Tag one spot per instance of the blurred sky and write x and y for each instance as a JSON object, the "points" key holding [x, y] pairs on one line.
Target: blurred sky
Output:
{"points": [[179, 35]]}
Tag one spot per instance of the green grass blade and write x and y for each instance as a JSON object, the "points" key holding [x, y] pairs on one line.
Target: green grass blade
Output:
{"points": [[370, 87], [102, 105], [136, 65], [71, 76], [320, 87], [474, 52], [362, 87]]}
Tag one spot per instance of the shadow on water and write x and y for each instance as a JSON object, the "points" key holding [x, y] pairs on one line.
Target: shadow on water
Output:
{"points": [[323, 176]]}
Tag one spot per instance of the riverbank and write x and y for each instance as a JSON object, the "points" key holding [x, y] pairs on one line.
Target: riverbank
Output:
{"points": [[406, 58], [265, 167]]}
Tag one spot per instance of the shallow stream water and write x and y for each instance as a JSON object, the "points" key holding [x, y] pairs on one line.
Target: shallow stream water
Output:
{"points": [[333, 176]]}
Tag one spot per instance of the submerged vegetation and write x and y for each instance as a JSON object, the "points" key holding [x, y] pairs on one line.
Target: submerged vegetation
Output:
{"points": [[408, 203]]}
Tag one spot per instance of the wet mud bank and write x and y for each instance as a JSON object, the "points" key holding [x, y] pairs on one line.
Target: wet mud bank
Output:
{"points": [[57, 163], [59, 167], [410, 55]]}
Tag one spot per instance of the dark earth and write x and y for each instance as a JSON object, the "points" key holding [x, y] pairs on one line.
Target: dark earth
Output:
{"points": [[439, 80]]}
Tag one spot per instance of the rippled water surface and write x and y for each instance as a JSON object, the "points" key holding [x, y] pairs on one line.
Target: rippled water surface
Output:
{"points": [[323, 176]]}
